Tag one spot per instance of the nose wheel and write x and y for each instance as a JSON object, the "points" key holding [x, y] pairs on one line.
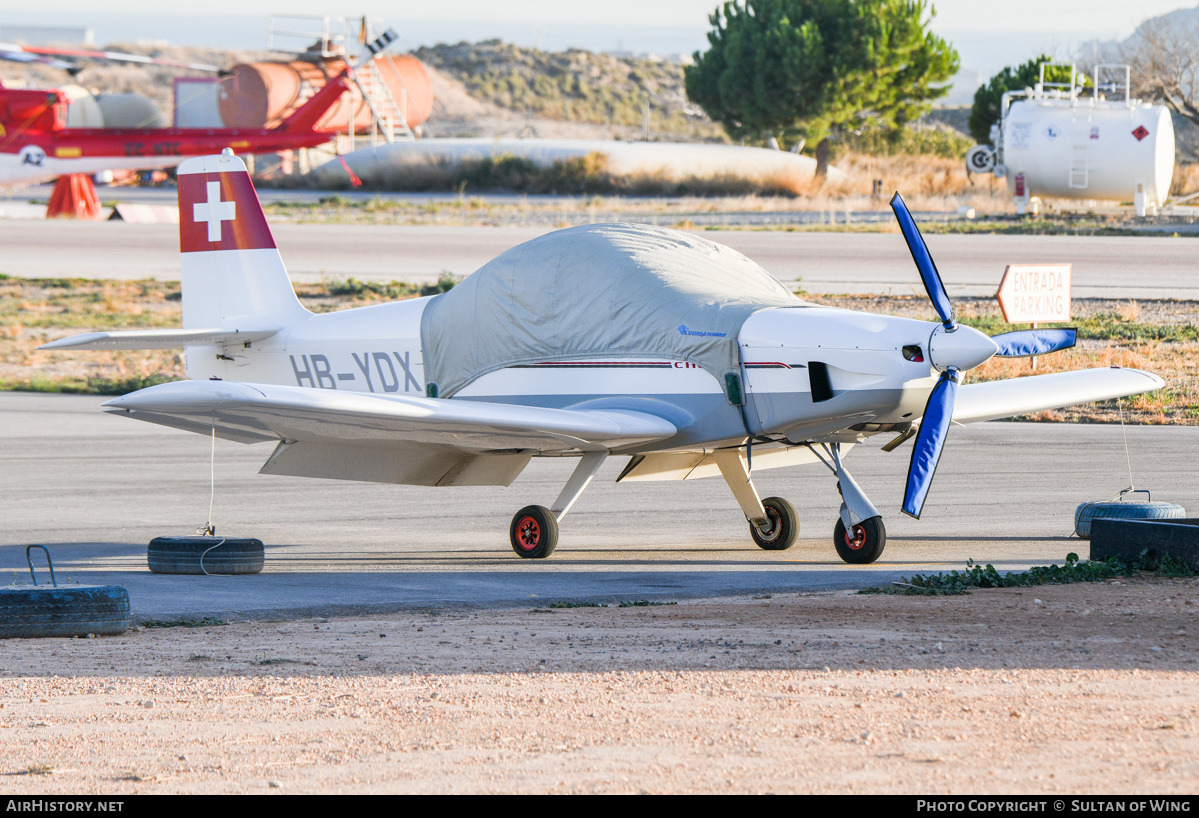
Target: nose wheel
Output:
{"points": [[534, 532], [864, 544]]}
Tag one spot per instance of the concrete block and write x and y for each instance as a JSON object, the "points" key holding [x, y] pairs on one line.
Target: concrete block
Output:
{"points": [[1149, 540]]}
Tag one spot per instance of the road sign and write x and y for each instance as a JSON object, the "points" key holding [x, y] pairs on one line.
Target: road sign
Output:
{"points": [[1035, 293]]}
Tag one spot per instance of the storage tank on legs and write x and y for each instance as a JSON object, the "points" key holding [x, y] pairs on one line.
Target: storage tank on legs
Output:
{"points": [[261, 95]]}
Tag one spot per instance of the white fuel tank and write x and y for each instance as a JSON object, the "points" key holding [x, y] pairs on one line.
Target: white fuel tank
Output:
{"points": [[1083, 148]]}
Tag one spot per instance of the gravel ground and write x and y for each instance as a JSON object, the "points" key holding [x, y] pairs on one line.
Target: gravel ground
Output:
{"points": [[1053, 690]]}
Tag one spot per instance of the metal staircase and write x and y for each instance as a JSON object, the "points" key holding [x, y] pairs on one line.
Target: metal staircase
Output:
{"points": [[389, 119], [327, 38]]}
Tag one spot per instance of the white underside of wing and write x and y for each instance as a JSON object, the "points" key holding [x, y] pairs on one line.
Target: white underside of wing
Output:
{"points": [[691, 465], [1018, 396], [260, 412], [159, 339]]}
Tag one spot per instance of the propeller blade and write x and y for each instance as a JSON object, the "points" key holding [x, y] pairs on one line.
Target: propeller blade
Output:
{"points": [[924, 263], [1028, 342], [926, 450]]}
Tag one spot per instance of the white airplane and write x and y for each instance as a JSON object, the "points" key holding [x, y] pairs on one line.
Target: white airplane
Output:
{"points": [[617, 339]]}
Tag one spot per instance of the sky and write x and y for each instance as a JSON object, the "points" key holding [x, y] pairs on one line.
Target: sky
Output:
{"points": [[987, 40]]}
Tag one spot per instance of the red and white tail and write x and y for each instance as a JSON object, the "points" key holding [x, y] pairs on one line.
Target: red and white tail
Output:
{"points": [[232, 274]]}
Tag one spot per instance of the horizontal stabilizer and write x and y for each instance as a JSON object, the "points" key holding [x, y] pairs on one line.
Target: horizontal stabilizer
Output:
{"points": [[159, 339], [293, 414], [1018, 396]]}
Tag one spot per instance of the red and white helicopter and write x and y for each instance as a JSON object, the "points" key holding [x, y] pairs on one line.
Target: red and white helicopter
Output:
{"points": [[602, 340], [36, 145]]}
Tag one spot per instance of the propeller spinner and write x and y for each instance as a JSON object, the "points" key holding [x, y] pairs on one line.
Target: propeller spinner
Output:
{"points": [[954, 349]]}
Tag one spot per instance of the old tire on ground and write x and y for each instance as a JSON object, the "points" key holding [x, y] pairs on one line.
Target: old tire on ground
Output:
{"points": [[534, 532], [867, 543], [1086, 512], [220, 555], [27, 611], [784, 525]]}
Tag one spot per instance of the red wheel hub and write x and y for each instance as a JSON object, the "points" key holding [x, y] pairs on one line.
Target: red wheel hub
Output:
{"points": [[857, 539], [528, 533]]}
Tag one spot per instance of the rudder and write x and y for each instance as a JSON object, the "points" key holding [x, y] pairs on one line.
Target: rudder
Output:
{"points": [[232, 273]]}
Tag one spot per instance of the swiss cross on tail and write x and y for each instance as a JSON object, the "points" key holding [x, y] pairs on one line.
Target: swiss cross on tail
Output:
{"points": [[218, 208]]}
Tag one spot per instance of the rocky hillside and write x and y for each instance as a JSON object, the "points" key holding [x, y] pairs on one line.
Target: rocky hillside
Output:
{"points": [[576, 86]]}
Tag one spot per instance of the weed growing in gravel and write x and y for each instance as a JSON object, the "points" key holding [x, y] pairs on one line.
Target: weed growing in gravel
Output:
{"points": [[979, 576]]}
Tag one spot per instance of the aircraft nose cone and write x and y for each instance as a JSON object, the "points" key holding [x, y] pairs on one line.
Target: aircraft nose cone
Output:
{"points": [[963, 348]]}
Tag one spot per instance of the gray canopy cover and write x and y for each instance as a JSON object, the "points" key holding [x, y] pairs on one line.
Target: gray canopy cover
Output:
{"points": [[615, 291]]}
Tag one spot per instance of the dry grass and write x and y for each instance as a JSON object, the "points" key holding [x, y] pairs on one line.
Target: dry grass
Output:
{"points": [[35, 311], [1186, 179], [927, 184]]}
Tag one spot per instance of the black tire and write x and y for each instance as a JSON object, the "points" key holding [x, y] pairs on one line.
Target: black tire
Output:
{"points": [[534, 532], [34, 612], [183, 555], [869, 539], [1088, 512], [784, 526]]}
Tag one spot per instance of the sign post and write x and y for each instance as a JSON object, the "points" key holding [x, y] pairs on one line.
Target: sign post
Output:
{"points": [[1035, 294]]}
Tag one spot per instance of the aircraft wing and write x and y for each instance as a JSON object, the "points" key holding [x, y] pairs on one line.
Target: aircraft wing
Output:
{"points": [[159, 339], [1018, 396], [260, 412]]}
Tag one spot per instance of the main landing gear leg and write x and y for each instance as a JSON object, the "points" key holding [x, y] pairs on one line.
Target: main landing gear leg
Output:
{"points": [[773, 522], [534, 529], [859, 535]]}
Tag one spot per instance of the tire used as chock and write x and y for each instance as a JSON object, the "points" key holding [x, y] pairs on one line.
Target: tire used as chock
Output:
{"points": [[28, 612], [1120, 509], [782, 529], [205, 555]]}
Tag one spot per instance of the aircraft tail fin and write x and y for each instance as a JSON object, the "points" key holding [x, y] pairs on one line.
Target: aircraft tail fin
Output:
{"points": [[232, 274]]}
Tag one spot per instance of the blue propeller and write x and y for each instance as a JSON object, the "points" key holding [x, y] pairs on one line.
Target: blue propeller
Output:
{"points": [[954, 349], [926, 451], [1028, 342]]}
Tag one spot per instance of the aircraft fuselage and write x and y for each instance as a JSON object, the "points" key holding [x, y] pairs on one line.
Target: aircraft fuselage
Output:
{"points": [[808, 372]]}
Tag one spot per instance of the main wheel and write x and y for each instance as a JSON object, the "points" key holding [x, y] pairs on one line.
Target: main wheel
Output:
{"points": [[864, 545], [534, 532], [783, 525]]}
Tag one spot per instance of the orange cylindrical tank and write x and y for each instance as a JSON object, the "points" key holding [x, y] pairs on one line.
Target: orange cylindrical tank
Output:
{"points": [[261, 95]]}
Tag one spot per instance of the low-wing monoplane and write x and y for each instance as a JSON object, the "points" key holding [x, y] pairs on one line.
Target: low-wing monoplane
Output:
{"points": [[677, 353]]}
